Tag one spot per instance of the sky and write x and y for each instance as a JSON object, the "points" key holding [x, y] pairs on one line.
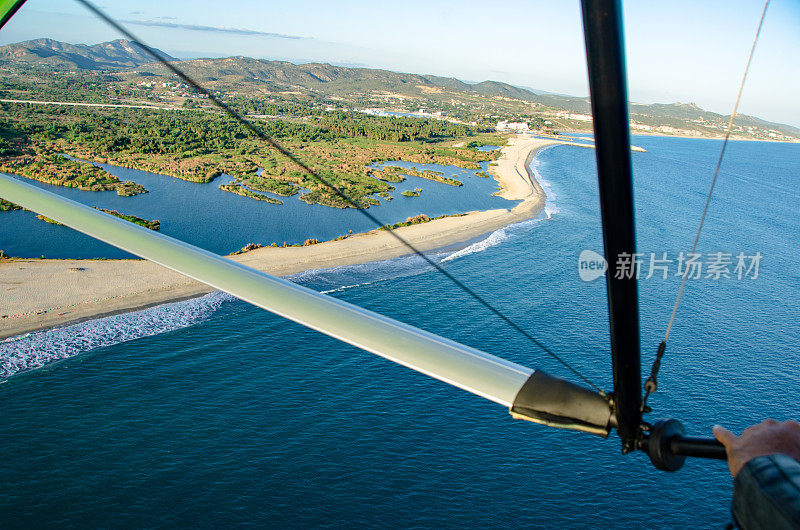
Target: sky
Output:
{"points": [[677, 51]]}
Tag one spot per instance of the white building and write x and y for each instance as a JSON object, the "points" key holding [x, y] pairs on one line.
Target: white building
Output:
{"points": [[513, 126]]}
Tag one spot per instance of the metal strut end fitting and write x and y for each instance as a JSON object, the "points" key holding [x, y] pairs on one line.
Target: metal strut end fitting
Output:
{"points": [[668, 446], [558, 403], [658, 445]]}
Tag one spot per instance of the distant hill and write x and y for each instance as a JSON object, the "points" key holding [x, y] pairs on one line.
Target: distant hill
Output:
{"points": [[331, 79], [665, 112], [235, 72], [107, 55], [247, 74]]}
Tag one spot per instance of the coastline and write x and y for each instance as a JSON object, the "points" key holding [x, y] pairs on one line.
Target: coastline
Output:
{"points": [[43, 294]]}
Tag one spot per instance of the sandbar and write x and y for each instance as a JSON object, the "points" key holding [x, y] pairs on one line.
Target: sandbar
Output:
{"points": [[37, 294]]}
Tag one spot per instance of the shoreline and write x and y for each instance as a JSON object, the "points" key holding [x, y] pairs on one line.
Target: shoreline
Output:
{"points": [[44, 294]]}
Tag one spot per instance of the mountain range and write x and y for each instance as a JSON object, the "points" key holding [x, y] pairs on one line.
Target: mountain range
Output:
{"points": [[106, 55], [236, 73]]}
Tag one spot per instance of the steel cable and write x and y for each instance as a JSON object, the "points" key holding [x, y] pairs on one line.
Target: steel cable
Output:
{"points": [[651, 384], [288, 154]]}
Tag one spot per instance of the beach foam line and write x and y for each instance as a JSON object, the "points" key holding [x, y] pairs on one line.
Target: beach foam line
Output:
{"points": [[39, 349], [497, 237], [337, 279], [36, 350], [494, 239], [550, 205], [103, 287], [503, 234], [42, 348]]}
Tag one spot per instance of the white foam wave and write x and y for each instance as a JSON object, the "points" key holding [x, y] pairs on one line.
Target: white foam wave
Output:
{"points": [[550, 207], [338, 279], [345, 287], [494, 239], [35, 350], [499, 236]]}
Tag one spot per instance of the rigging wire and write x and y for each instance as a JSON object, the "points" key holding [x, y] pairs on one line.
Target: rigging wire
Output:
{"points": [[651, 384], [288, 154]]}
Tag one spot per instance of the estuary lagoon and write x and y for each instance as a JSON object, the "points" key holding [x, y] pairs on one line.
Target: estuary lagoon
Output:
{"points": [[223, 222]]}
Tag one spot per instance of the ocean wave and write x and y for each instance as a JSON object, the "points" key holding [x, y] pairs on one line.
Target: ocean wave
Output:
{"points": [[338, 279], [503, 234], [494, 239], [35, 350], [345, 287], [341, 278], [550, 206]]}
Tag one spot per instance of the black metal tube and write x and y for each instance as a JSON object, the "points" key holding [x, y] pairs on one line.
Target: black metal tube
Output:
{"points": [[605, 53], [667, 445], [699, 447]]}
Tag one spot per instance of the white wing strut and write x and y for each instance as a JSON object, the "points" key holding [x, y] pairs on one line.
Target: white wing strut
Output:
{"points": [[472, 370]]}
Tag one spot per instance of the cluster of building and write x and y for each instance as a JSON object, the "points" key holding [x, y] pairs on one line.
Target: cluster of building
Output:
{"points": [[421, 113], [164, 84], [570, 116], [424, 113], [515, 126], [663, 129]]}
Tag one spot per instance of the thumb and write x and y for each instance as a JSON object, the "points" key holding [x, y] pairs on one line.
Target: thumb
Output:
{"points": [[723, 435]]}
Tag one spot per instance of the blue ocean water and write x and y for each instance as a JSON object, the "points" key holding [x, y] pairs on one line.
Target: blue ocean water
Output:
{"points": [[246, 419]]}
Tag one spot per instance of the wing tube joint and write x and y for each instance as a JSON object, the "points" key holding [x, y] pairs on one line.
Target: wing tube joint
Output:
{"points": [[558, 403]]}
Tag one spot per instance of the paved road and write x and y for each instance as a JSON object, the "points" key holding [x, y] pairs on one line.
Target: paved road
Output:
{"points": [[77, 104]]}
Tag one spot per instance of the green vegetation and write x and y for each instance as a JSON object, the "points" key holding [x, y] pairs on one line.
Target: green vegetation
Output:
{"points": [[393, 129], [417, 219], [198, 146], [483, 174], [147, 223], [48, 220], [152, 225], [410, 193], [485, 139], [44, 166], [262, 183], [6, 206], [427, 174], [388, 174], [247, 248], [236, 187], [315, 95]]}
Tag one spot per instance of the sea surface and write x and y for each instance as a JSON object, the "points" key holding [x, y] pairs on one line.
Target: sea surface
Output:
{"points": [[212, 413]]}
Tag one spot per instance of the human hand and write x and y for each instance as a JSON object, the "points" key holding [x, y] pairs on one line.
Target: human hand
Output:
{"points": [[767, 438]]}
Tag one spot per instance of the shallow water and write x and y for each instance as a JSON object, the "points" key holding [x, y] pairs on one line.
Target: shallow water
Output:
{"points": [[223, 222], [244, 418]]}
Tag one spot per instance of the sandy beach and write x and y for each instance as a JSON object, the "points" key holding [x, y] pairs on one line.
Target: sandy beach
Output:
{"points": [[38, 294]]}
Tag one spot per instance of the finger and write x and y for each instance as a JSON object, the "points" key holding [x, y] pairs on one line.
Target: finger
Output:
{"points": [[723, 435], [792, 424]]}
